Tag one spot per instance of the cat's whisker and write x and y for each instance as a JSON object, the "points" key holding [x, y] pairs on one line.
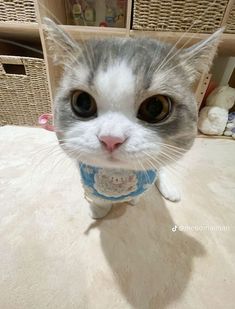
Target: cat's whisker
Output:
{"points": [[46, 147], [48, 11], [178, 50], [173, 151], [170, 152], [30, 48], [169, 169], [163, 163], [65, 63], [144, 169], [44, 161], [156, 166], [21, 45], [171, 156], [46, 154], [62, 162], [180, 149], [58, 22], [192, 55], [169, 161], [47, 151]]}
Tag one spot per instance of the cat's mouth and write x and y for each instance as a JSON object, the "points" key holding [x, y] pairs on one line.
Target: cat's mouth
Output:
{"points": [[113, 159]]}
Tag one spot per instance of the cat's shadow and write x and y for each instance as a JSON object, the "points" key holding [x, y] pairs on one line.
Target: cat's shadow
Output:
{"points": [[151, 264]]}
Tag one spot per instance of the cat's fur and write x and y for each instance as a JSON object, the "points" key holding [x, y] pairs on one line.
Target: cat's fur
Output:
{"points": [[120, 73]]}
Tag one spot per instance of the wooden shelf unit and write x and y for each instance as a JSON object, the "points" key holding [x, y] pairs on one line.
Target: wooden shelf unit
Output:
{"points": [[55, 9], [25, 31]]}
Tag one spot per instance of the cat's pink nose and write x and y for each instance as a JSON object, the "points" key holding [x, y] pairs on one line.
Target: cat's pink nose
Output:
{"points": [[111, 142]]}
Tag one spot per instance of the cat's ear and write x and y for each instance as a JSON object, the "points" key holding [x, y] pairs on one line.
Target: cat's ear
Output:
{"points": [[62, 47], [199, 57]]}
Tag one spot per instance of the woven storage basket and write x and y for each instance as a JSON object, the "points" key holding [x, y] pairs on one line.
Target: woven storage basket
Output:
{"points": [[23, 98], [178, 15], [17, 11], [230, 28]]}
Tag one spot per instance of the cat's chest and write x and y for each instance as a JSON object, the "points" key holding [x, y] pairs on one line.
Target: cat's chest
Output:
{"points": [[116, 185]]}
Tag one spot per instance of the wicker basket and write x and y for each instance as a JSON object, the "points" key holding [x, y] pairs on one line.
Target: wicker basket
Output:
{"points": [[230, 28], [17, 11], [23, 97], [178, 15]]}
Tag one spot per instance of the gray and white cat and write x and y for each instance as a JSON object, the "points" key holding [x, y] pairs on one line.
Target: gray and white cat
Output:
{"points": [[127, 103]]}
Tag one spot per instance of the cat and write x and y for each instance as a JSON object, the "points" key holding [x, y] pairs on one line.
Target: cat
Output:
{"points": [[126, 105]]}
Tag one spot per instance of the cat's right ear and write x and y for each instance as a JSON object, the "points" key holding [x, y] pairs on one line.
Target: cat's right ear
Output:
{"points": [[62, 47], [198, 58]]}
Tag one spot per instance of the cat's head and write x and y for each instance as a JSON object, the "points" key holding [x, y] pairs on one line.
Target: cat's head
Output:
{"points": [[127, 102]]}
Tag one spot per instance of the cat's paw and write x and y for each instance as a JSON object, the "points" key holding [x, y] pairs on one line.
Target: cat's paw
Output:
{"points": [[99, 211], [134, 201], [170, 193], [167, 189]]}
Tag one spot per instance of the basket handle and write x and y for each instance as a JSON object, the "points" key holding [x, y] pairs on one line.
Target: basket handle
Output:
{"points": [[8, 64]]}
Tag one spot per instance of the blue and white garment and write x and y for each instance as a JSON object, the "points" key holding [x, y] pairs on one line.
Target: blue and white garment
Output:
{"points": [[116, 185]]}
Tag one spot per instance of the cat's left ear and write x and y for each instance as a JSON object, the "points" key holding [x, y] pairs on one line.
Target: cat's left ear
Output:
{"points": [[199, 57], [61, 46]]}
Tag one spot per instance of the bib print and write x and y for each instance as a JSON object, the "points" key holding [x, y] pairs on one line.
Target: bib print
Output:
{"points": [[115, 184]]}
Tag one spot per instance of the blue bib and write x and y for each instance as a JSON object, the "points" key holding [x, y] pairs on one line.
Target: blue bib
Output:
{"points": [[116, 185]]}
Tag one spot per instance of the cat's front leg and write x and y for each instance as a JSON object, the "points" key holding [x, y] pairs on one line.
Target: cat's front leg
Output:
{"points": [[166, 187], [99, 210]]}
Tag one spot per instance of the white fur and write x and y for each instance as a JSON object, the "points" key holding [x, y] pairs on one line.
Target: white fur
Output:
{"points": [[159, 83], [114, 91], [79, 81], [83, 138], [166, 187]]}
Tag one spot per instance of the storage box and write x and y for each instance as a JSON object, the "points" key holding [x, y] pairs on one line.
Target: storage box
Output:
{"points": [[203, 16], [24, 94], [17, 11], [230, 28]]}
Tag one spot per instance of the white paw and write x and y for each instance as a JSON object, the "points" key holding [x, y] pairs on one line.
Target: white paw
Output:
{"points": [[170, 193], [99, 211], [134, 201], [166, 188]]}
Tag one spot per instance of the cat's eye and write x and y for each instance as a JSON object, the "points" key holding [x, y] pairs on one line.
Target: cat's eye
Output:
{"points": [[155, 109], [83, 104]]}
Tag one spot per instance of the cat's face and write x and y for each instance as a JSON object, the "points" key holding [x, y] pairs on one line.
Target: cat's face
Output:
{"points": [[122, 103]]}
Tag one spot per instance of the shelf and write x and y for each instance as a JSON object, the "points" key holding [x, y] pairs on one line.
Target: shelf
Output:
{"points": [[227, 46], [80, 32], [19, 31], [214, 136]]}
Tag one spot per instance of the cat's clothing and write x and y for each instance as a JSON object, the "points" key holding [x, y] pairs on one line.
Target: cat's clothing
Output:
{"points": [[115, 185]]}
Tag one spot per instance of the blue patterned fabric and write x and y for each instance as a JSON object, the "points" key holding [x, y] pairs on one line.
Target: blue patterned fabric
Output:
{"points": [[115, 185]]}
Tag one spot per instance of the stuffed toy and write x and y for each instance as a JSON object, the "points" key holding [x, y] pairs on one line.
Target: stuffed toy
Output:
{"points": [[214, 116], [230, 126]]}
